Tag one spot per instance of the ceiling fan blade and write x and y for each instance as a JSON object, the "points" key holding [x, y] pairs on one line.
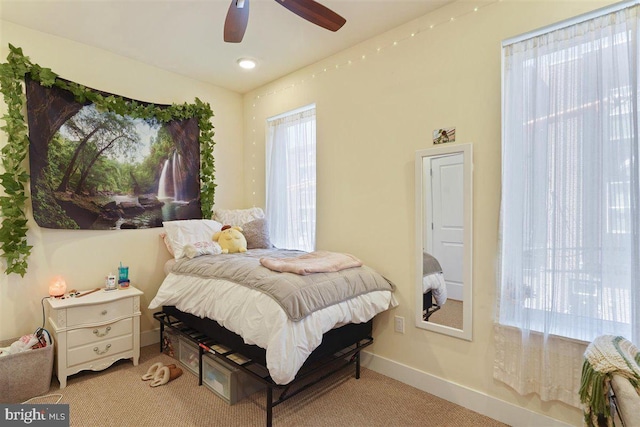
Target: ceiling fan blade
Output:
{"points": [[314, 12], [236, 22]]}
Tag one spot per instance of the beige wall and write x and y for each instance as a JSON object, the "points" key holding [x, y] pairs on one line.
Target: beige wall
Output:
{"points": [[372, 115], [84, 257]]}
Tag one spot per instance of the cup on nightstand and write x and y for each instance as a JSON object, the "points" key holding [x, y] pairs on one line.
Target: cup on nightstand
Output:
{"points": [[123, 277]]}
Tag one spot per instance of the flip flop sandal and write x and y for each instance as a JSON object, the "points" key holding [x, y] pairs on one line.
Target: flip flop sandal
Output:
{"points": [[164, 375], [153, 369]]}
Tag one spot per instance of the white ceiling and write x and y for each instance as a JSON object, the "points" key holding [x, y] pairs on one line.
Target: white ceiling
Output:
{"points": [[185, 36]]}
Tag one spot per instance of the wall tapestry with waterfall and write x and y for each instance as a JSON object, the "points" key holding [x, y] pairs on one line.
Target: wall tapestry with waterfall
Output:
{"points": [[99, 170]]}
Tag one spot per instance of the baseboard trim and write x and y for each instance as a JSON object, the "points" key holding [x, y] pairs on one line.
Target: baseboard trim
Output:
{"points": [[481, 403], [150, 337]]}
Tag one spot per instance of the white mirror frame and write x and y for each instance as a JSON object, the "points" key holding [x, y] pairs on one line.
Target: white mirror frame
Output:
{"points": [[466, 149]]}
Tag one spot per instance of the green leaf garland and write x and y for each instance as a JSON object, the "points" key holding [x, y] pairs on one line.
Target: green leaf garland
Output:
{"points": [[13, 230]]}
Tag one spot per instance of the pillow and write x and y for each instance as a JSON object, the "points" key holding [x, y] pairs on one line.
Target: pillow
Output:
{"points": [[237, 216], [167, 243], [257, 234], [181, 233], [192, 250]]}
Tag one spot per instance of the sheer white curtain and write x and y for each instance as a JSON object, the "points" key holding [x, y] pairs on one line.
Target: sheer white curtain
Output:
{"points": [[569, 229], [291, 180]]}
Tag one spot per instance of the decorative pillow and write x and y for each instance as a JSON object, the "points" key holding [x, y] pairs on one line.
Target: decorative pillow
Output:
{"points": [[237, 216], [192, 250], [257, 234], [181, 233]]}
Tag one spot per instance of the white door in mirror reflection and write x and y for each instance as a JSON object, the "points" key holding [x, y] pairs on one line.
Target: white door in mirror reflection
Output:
{"points": [[444, 207]]}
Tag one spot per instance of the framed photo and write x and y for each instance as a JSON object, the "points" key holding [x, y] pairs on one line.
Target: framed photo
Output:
{"points": [[444, 135]]}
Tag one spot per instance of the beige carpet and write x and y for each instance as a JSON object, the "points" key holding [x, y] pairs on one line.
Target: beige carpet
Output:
{"points": [[118, 397], [450, 314]]}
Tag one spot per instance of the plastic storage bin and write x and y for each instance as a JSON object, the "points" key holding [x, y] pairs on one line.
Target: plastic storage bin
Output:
{"points": [[231, 384], [25, 375], [189, 355], [170, 343], [228, 382]]}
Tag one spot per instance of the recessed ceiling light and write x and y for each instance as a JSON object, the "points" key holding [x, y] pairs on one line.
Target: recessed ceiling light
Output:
{"points": [[247, 63]]}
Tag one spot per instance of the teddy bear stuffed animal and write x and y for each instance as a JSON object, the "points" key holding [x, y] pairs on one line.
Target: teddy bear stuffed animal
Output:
{"points": [[231, 239]]}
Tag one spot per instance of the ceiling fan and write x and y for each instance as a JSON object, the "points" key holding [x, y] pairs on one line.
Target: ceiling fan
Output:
{"points": [[238, 15]]}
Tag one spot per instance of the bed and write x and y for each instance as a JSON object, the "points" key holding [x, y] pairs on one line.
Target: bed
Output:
{"points": [[292, 325], [434, 288]]}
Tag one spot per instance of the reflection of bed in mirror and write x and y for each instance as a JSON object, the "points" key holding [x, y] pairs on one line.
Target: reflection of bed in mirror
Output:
{"points": [[443, 239], [434, 288]]}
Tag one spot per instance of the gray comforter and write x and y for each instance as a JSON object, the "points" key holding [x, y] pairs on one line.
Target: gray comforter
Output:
{"points": [[298, 295], [430, 264]]}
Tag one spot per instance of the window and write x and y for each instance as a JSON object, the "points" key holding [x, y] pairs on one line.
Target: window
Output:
{"points": [[570, 214], [291, 179]]}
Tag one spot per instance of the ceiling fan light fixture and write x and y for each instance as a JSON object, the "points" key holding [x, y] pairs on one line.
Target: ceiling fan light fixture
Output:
{"points": [[247, 63]]}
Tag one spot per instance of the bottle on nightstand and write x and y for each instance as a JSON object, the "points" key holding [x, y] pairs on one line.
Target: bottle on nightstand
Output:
{"points": [[110, 283]]}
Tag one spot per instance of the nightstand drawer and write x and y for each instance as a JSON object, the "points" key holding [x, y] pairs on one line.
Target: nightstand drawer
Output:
{"points": [[100, 312], [95, 351], [91, 335]]}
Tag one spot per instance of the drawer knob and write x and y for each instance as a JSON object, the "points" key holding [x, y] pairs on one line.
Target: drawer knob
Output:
{"points": [[104, 312], [103, 351], [106, 331]]}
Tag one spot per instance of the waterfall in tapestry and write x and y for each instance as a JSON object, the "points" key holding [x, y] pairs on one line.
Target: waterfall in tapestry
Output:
{"points": [[172, 179]]}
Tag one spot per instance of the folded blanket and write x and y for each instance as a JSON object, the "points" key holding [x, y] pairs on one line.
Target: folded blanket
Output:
{"points": [[605, 356], [313, 262]]}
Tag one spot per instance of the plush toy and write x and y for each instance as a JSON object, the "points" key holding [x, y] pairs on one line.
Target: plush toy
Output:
{"points": [[231, 240]]}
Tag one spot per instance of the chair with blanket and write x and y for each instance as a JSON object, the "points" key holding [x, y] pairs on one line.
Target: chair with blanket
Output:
{"points": [[610, 384]]}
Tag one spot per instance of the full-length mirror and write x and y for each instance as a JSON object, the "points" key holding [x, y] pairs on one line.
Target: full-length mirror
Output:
{"points": [[443, 239]]}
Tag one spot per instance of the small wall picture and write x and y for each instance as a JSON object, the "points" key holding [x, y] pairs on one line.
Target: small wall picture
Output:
{"points": [[443, 135]]}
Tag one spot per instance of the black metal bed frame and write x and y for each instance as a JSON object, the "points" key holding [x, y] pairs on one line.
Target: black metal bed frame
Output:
{"points": [[428, 307], [310, 374]]}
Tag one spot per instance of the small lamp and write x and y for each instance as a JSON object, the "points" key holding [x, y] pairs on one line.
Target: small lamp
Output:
{"points": [[57, 287]]}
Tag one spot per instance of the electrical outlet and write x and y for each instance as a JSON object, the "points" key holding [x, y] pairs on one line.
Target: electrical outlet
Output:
{"points": [[399, 324]]}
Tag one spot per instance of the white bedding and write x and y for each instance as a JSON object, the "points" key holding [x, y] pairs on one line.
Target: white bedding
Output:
{"points": [[435, 283], [261, 321]]}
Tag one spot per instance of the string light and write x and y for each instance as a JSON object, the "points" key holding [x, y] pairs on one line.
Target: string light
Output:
{"points": [[363, 57]]}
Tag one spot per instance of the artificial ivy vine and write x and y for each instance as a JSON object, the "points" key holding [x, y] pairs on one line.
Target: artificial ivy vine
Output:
{"points": [[14, 178]]}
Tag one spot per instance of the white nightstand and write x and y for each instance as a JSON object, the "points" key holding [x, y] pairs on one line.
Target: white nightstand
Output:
{"points": [[95, 330]]}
